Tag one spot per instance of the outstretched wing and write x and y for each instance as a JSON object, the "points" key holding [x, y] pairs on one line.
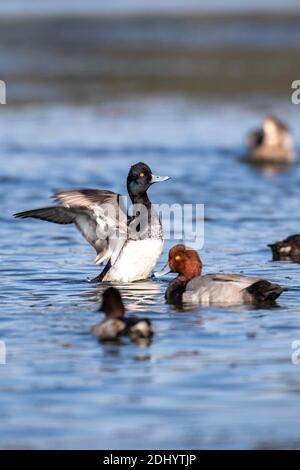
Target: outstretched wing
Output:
{"points": [[99, 215], [58, 215], [103, 222]]}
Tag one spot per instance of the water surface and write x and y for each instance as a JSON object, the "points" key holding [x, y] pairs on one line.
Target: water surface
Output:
{"points": [[212, 377], [87, 97]]}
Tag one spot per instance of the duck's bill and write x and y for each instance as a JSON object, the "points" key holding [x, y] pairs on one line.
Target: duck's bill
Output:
{"points": [[166, 270], [159, 179]]}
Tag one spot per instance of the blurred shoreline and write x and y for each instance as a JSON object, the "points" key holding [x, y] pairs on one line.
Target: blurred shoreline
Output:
{"points": [[90, 58], [197, 15]]}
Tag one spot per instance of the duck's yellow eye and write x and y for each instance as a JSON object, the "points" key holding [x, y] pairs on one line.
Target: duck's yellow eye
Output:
{"points": [[177, 258], [142, 174]]}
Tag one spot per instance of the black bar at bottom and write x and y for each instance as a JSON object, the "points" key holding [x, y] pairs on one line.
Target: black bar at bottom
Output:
{"points": [[134, 459]]}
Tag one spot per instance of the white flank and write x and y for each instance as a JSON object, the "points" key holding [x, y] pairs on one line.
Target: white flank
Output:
{"points": [[136, 261]]}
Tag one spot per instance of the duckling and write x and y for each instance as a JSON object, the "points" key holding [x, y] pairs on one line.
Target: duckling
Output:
{"points": [[116, 324], [222, 288], [129, 244], [271, 144], [287, 249]]}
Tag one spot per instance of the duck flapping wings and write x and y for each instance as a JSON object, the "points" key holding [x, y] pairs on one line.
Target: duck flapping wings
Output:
{"points": [[99, 215]]}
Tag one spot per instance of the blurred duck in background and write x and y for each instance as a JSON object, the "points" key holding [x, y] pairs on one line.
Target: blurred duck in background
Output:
{"points": [[287, 249], [273, 143], [221, 289], [117, 325]]}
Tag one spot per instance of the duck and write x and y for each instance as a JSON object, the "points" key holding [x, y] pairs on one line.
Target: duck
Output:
{"points": [[190, 286], [129, 244], [287, 249], [116, 324], [273, 143]]}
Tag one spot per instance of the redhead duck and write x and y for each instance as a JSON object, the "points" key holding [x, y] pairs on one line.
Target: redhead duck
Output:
{"points": [[130, 245], [222, 288], [273, 143], [287, 249], [116, 324]]}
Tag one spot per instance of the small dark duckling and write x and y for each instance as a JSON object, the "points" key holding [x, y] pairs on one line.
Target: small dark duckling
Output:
{"points": [[190, 286], [273, 143], [116, 324], [287, 249]]}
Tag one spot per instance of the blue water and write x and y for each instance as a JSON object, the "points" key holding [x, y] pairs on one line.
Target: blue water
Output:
{"points": [[212, 377]]}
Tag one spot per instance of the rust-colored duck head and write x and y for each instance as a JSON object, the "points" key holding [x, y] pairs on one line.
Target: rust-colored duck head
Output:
{"points": [[182, 260], [185, 261]]}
